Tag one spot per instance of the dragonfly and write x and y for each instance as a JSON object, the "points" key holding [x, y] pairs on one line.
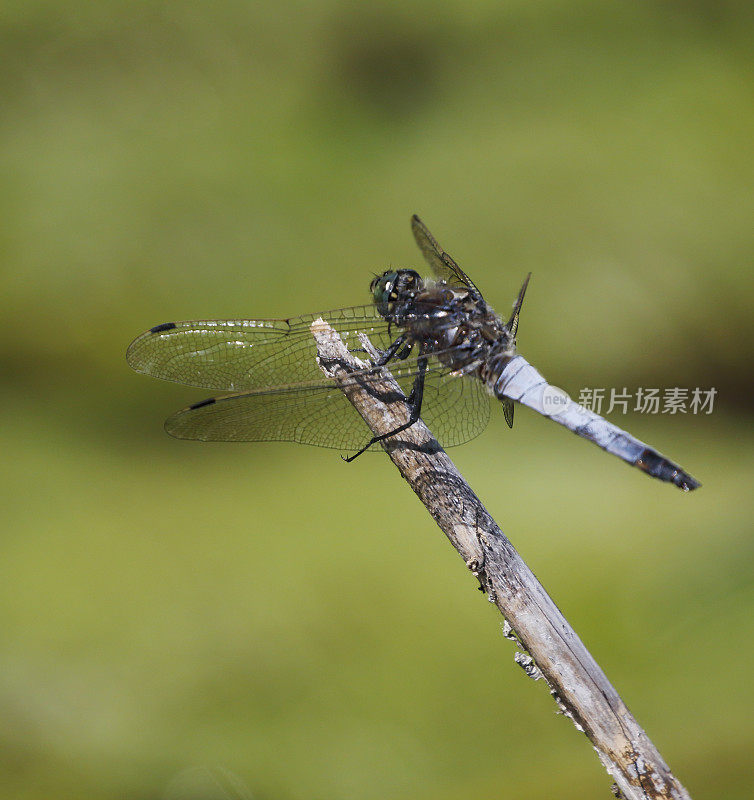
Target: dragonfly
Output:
{"points": [[451, 354]]}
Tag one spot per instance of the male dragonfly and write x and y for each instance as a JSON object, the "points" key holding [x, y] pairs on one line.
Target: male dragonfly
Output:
{"points": [[446, 347]]}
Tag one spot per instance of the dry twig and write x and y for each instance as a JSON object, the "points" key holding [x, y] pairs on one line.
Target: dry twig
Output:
{"points": [[553, 650]]}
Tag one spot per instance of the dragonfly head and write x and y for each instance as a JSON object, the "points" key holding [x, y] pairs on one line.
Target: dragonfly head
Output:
{"points": [[395, 286]]}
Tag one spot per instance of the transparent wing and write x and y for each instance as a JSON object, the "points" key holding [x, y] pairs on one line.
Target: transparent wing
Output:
{"points": [[442, 264], [255, 354], [456, 409], [508, 409], [319, 416]]}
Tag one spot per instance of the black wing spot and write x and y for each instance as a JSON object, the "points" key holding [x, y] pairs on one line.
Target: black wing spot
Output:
{"points": [[203, 403], [165, 326]]}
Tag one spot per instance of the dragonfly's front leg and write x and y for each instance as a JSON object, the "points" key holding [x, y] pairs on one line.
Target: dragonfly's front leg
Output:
{"points": [[384, 356], [414, 402]]}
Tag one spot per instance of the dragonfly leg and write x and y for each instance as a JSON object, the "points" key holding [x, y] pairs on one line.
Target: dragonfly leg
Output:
{"points": [[384, 356], [414, 402], [387, 355]]}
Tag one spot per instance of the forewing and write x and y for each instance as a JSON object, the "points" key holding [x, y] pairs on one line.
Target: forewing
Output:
{"points": [[456, 409], [248, 354], [442, 264]]}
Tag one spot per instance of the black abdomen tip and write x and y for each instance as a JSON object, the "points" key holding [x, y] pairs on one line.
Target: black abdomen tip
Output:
{"points": [[686, 482], [651, 462]]}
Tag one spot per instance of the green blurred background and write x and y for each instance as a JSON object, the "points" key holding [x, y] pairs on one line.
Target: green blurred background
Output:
{"points": [[210, 621]]}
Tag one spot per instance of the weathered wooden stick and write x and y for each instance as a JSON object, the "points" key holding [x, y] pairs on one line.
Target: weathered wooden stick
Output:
{"points": [[555, 652]]}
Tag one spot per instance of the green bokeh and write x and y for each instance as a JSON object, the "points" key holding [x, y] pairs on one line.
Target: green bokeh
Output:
{"points": [[181, 620]]}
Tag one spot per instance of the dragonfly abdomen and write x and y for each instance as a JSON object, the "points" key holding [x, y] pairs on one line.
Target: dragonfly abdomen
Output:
{"points": [[518, 380]]}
